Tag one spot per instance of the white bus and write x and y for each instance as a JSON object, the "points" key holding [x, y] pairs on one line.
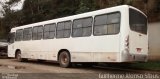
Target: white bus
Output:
{"points": [[117, 34]]}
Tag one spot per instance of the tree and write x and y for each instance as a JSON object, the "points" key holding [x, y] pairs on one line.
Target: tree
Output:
{"points": [[87, 5], [10, 18]]}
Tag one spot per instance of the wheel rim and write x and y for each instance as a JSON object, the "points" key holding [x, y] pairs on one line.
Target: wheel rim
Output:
{"points": [[18, 56], [64, 59]]}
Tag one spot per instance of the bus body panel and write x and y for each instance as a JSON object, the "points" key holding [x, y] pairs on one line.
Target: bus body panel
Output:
{"points": [[105, 48], [82, 49], [135, 37]]}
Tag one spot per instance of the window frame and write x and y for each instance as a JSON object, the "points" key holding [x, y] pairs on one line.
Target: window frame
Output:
{"points": [[108, 23]]}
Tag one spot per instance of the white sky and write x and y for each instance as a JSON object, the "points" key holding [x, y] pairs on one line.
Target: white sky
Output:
{"points": [[18, 6]]}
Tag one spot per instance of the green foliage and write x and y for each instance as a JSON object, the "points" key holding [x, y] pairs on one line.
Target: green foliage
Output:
{"points": [[41, 10], [86, 6]]}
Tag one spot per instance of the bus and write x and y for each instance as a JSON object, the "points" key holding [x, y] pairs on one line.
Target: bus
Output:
{"points": [[111, 35]]}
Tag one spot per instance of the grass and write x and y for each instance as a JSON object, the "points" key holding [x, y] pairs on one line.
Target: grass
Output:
{"points": [[150, 65]]}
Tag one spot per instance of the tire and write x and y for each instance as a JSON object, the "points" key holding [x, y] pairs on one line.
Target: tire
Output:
{"points": [[19, 58], [64, 59]]}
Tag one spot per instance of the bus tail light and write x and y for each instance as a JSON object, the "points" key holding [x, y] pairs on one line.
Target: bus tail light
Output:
{"points": [[127, 42], [139, 50]]}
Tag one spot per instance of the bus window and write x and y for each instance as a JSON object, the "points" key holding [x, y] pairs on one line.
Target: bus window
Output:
{"points": [[100, 25], [107, 24], [49, 31], [34, 33], [52, 31], [11, 37], [46, 31], [138, 22], [113, 23], [87, 27], [67, 29], [40, 32], [19, 35], [63, 29], [37, 32], [82, 27], [27, 33]]}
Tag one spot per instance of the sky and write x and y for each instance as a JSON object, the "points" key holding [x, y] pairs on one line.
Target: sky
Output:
{"points": [[15, 7], [18, 6]]}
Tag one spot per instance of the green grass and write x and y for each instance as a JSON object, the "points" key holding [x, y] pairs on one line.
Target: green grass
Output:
{"points": [[150, 65]]}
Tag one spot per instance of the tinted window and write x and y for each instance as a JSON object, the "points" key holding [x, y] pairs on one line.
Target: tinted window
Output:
{"points": [[49, 31], [46, 31], [113, 23], [11, 37], [27, 34], [34, 33], [63, 29], [100, 20], [82, 27], [138, 22], [19, 35], [107, 24], [40, 32], [52, 31], [37, 33]]}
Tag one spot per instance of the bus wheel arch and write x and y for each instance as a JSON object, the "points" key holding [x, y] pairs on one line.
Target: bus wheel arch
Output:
{"points": [[18, 56], [64, 58], [16, 52]]}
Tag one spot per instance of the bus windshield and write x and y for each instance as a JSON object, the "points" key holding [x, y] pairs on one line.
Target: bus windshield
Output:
{"points": [[138, 22]]}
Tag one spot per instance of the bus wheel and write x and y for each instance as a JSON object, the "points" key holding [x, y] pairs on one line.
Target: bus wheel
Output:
{"points": [[19, 58], [64, 59]]}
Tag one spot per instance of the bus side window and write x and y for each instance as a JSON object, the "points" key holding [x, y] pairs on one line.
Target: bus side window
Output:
{"points": [[82, 27], [113, 23], [19, 35], [52, 31], [40, 32], [34, 33], [63, 29], [49, 31], [59, 32], [27, 33], [107, 24], [37, 33], [67, 29]]}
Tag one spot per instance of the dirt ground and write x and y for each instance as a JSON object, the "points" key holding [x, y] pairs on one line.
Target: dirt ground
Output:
{"points": [[50, 70]]}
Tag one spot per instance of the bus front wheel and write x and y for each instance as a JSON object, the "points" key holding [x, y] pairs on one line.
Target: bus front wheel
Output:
{"points": [[19, 58], [64, 59]]}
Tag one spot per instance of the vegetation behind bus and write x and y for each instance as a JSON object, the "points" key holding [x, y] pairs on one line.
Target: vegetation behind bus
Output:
{"points": [[40, 10]]}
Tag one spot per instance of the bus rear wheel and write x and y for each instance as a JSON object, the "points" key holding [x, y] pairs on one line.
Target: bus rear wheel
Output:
{"points": [[19, 58], [64, 59]]}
